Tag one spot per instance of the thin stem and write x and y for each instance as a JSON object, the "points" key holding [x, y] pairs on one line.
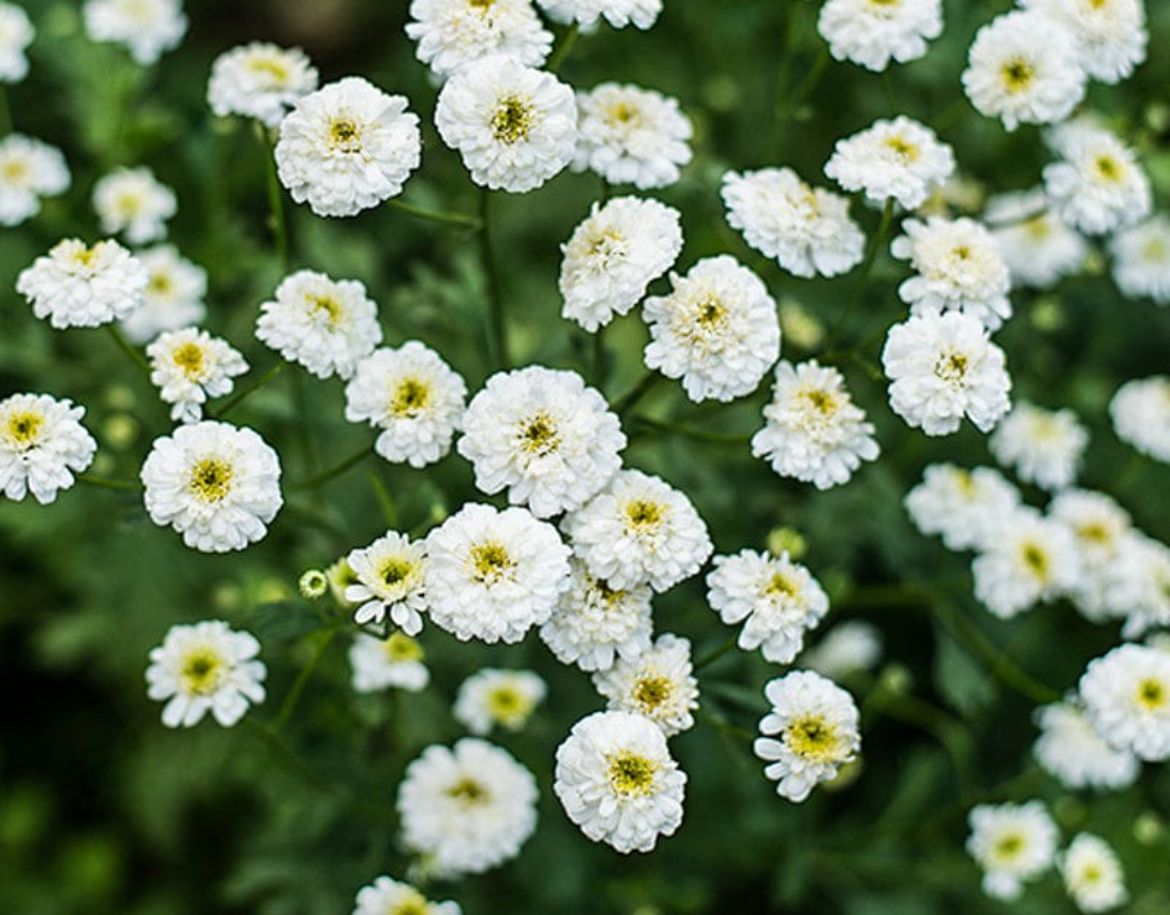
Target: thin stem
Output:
{"points": [[699, 435], [5, 112], [247, 391], [456, 219], [598, 366], [385, 502], [297, 689], [810, 82], [109, 482], [563, 48], [496, 320], [866, 265], [335, 471], [276, 223], [636, 393], [124, 345], [715, 653]]}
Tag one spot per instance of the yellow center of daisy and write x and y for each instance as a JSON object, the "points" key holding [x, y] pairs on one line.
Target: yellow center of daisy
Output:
{"points": [[781, 584], [951, 367], [630, 773], [1155, 250], [401, 648], [469, 792], [1017, 74], [395, 570], [538, 435], [23, 428], [211, 480], [201, 670], [512, 121], [820, 400], [1036, 560], [480, 4], [344, 136], [1008, 846], [508, 704], [1094, 532], [411, 902], [410, 398], [490, 561], [624, 113], [160, 283], [14, 169], [644, 515], [652, 692], [1038, 228], [1108, 168], [326, 306], [902, 148], [710, 313], [84, 257], [271, 67], [189, 358], [812, 737], [1151, 694]]}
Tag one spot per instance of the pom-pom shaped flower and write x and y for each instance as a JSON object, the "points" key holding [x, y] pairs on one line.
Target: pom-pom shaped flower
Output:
{"points": [[899, 160], [1012, 843], [260, 80], [659, 684], [1127, 699], [451, 33], [75, 285], [390, 897], [618, 13], [503, 698], [963, 506], [1098, 185], [1069, 749], [1027, 559], [390, 580], [135, 204], [29, 170], [175, 288], [188, 366], [1044, 446], [630, 135], [148, 28], [873, 33], [1092, 874], [42, 445], [1141, 259], [393, 662], [1038, 248], [1140, 411], [1110, 35]]}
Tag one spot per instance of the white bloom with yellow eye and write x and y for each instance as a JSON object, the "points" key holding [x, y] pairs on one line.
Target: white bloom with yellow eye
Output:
{"points": [[452, 33], [1012, 843], [260, 80], [146, 27], [1027, 559], [873, 33], [1103, 532], [1044, 447], [498, 698], [29, 170], [1069, 749], [189, 366], [1140, 410], [1127, 699], [1098, 185], [75, 285], [658, 684], [897, 159], [1110, 34], [1092, 874], [175, 288], [1141, 259], [962, 506], [631, 135], [132, 202], [390, 897], [393, 662], [1038, 248], [42, 446], [390, 575]]}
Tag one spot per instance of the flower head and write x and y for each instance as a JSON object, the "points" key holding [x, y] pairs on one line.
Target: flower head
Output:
{"points": [[393, 662], [618, 13], [29, 170], [1027, 559], [260, 80], [1038, 248], [630, 135], [900, 159], [131, 201], [1044, 446], [16, 34], [452, 33], [1110, 35], [42, 445], [189, 366], [1098, 185], [1140, 410], [1141, 259], [1012, 843], [390, 575], [873, 33], [75, 285], [963, 506], [147, 28], [1127, 699], [657, 684], [390, 897], [1092, 874], [503, 698], [175, 288], [1071, 750]]}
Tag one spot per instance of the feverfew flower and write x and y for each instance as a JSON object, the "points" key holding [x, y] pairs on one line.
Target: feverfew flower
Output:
{"points": [[1127, 699], [1038, 248], [1098, 185], [1104, 537], [217, 485], [1028, 559], [347, 147], [451, 33], [1141, 587], [503, 698], [639, 530], [874, 32], [901, 160], [390, 575], [1141, 258], [1044, 447], [1110, 34], [810, 733], [493, 575], [1092, 874], [29, 170], [175, 288], [544, 436], [779, 599], [717, 330], [813, 431], [42, 445], [16, 34], [189, 366], [1140, 411], [326, 325], [807, 230], [846, 649], [514, 127], [146, 27], [613, 255], [466, 809], [943, 367], [963, 506], [618, 13], [390, 897], [413, 397], [630, 135], [1070, 750], [1012, 843], [78, 286], [131, 201], [260, 80], [393, 662], [205, 667], [659, 684], [617, 781]]}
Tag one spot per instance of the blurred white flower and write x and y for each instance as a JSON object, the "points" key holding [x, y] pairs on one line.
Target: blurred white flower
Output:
{"points": [[188, 366], [16, 34], [1127, 699], [1111, 35], [897, 159], [618, 13], [1141, 259], [847, 648], [1140, 411], [393, 662], [1044, 447], [1012, 843], [873, 33], [658, 684], [1098, 185], [1026, 559], [498, 698], [148, 28], [451, 33], [1071, 751], [630, 135], [963, 506], [1102, 530], [42, 445], [390, 582], [133, 203], [75, 285], [175, 288], [29, 170], [1038, 248], [1092, 874], [390, 897], [260, 80]]}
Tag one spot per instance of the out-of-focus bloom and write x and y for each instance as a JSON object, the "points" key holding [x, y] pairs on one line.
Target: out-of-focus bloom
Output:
{"points": [[846, 649], [16, 34], [1110, 35], [498, 698], [451, 33], [1027, 559], [873, 33], [1038, 248], [390, 897], [1141, 259], [393, 662], [148, 28], [175, 288], [260, 80], [1092, 874], [963, 506], [1044, 447], [1012, 843], [29, 170], [618, 13], [1140, 411], [1069, 749], [1098, 185]]}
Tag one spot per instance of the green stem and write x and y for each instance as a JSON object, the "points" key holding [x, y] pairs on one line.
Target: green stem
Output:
{"points": [[124, 345], [724, 726], [716, 653], [385, 502], [297, 689], [109, 482], [335, 471], [875, 243], [246, 392], [563, 48], [276, 223], [455, 219], [809, 83], [640, 389], [496, 320], [5, 112], [700, 435]]}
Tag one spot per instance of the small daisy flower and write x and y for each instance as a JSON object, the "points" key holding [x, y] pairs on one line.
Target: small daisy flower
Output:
{"points": [[963, 506], [395, 662], [260, 80], [175, 288], [390, 897], [900, 159], [1110, 35], [847, 648], [1072, 752], [1012, 843], [618, 13], [451, 33], [1029, 559], [16, 34], [75, 285], [148, 28], [1044, 447], [390, 576], [1127, 699], [1142, 592], [1098, 185], [189, 366], [29, 170], [872, 33], [347, 147], [205, 667], [1102, 530], [1140, 411], [658, 684], [1092, 874], [1141, 258], [1038, 248], [498, 698], [42, 445], [617, 781], [133, 203]]}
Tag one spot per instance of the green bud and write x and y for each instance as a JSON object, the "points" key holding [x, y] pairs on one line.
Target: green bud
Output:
{"points": [[120, 430], [313, 584], [896, 678], [1048, 315], [1148, 828], [787, 540]]}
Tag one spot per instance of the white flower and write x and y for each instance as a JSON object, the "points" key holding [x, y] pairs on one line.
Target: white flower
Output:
{"points": [[1044, 447], [900, 159], [658, 684], [1103, 533], [617, 781], [175, 288], [131, 201], [1140, 411], [1098, 185], [1127, 698], [1092, 874], [395, 661], [630, 135], [846, 649], [205, 667], [29, 170], [1110, 34], [492, 697], [807, 229], [1070, 750], [813, 431], [389, 897], [612, 257], [413, 397], [146, 27], [217, 485], [390, 575], [1012, 843], [963, 506], [451, 33], [943, 367], [347, 147], [1024, 68], [466, 809], [327, 325], [811, 731], [1141, 259], [514, 127], [593, 624], [717, 330], [874, 32], [779, 599], [189, 366], [1038, 248], [42, 445], [639, 530], [544, 436], [618, 13], [1140, 589], [16, 34], [260, 80], [493, 575], [1026, 560], [78, 286]]}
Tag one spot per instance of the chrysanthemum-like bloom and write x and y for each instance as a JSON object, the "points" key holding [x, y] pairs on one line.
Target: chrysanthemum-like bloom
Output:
{"points": [[1141, 259], [1127, 699], [78, 286], [1140, 411], [451, 33], [390, 897], [846, 649], [260, 80], [1044, 447], [963, 506], [393, 662], [513, 126], [16, 34], [613, 255], [175, 288], [1023, 68], [217, 485], [544, 436], [807, 229], [29, 170], [326, 325], [1102, 530], [618, 13], [593, 624], [658, 684], [1028, 559], [132, 202], [466, 809], [779, 599], [148, 28], [1110, 35], [874, 32], [717, 330], [390, 576], [1092, 873], [639, 530], [943, 367], [493, 575], [617, 781], [813, 431], [630, 135], [347, 147], [812, 730], [498, 698], [1071, 751], [189, 366], [42, 445], [205, 667], [413, 397], [900, 159], [1098, 185], [1012, 843], [1141, 589], [1036, 245]]}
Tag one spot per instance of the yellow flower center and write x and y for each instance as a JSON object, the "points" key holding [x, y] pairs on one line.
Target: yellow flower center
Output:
{"points": [[23, 428], [630, 773], [412, 902], [1036, 559], [201, 671], [1038, 228], [512, 121], [160, 283], [710, 313], [813, 738], [951, 367], [211, 480], [344, 136], [1155, 250], [902, 148], [822, 401], [1094, 532], [326, 306], [508, 704], [469, 792], [410, 398], [189, 358], [395, 570], [491, 562], [644, 515], [83, 256], [781, 584], [14, 169], [1108, 168], [1152, 694], [538, 435], [401, 648], [1017, 74], [271, 67], [652, 692], [1008, 846], [624, 113]]}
